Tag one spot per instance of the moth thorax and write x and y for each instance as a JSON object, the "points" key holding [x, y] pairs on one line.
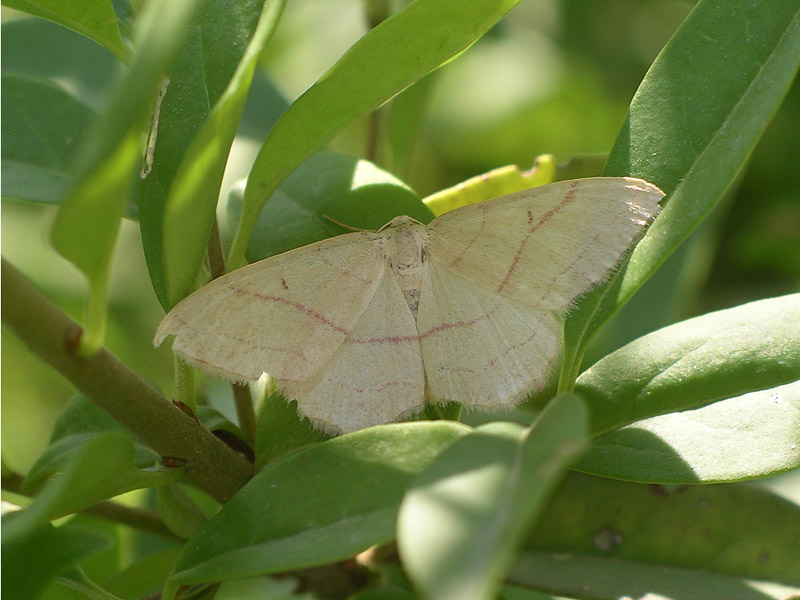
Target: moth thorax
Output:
{"points": [[405, 243]]}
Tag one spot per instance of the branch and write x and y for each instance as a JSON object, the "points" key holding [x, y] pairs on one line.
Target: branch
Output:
{"points": [[104, 380]]}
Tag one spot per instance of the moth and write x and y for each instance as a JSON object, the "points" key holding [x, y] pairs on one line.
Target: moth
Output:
{"points": [[363, 328]]}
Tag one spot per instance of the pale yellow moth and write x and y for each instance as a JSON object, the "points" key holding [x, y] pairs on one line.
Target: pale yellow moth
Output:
{"points": [[363, 328]]}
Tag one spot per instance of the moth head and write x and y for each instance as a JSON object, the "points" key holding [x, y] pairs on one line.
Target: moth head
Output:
{"points": [[405, 242]]}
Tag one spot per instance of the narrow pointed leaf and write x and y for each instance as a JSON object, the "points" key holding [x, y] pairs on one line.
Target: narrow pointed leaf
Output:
{"points": [[201, 73], [101, 469], [44, 123], [190, 208], [716, 356], [319, 505], [31, 561], [753, 435], [95, 19], [386, 60], [691, 125], [628, 539], [461, 523], [100, 195]]}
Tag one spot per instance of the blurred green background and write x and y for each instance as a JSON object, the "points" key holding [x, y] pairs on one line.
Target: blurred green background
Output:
{"points": [[555, 77]]}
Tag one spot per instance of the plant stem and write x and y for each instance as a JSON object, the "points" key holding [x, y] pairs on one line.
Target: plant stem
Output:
{"points": [[184, 384], [136, 518], [102, 378], [216, 260], [376, 11]]}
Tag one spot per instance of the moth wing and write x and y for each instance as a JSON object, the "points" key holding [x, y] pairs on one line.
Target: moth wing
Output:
{"points": [[376, 374], [547, 245], [480, 348], [285, 315]]}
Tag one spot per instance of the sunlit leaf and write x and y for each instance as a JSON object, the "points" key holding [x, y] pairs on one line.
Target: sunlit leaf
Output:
{"points": [[101, 468], [97, 201], [690, 129], [321, 504], [95, 19], [393, 55], [600, 538], [716, 356], [461, 522]]}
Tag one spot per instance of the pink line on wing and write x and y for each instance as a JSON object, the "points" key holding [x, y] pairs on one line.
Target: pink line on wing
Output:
{"points": [[476, 399], [475, 237], [445, 326], [564, 271], [492, 362], [380, 388], [390, 339], [241, 340], [297, 305], [399, 339], [349, 273], [547, 216]]}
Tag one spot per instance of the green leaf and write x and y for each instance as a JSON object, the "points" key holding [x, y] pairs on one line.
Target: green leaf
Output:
{"points": [[610, 578], [386, 60], [95, 19], [200, 73], [32, 560], [102, 468], [328, 195], [213, 420], [181, 515], [691, 125], [497, 182], [145, 576], [282, 429], [80, 420], [716, 356], [406, 114], [753, 435], [100, 195], [62, 451], [43, 125], [81, 415], [461, 522], [511, 592], [627, 539], [190, 207], [702, 122], [42, 50], [384, 594], [262, 587], [321, 504]]}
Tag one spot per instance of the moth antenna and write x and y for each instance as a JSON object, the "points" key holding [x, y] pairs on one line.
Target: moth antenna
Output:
{"points": [[345, 225]]}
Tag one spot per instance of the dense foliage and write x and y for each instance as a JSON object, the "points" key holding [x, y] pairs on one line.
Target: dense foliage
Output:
{"points": [[147, 146]]}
